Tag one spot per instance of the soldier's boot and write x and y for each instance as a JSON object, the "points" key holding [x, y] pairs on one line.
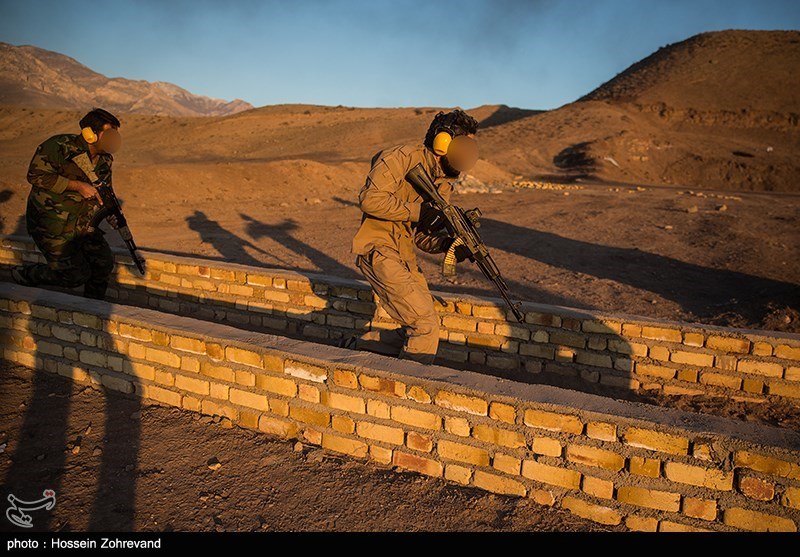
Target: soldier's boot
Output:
{"points": [[20, 276]]}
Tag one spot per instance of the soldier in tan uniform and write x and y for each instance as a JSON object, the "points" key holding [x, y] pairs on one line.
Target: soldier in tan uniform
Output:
{"points": [[396, 218]]}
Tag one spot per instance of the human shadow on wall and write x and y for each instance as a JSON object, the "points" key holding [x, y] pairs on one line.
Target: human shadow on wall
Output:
{"points": [[49, 443], [228, 244], [282, 233], [702, 291]]}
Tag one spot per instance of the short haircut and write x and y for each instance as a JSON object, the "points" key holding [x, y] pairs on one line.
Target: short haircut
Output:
{"points": [[456, 122], [97, 118]]}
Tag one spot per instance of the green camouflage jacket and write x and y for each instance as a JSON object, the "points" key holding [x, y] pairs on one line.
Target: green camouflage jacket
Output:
{"points": [[52, 210]]}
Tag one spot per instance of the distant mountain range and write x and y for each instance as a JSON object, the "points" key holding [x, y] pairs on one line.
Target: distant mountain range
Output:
{"points": [[34, 77]]}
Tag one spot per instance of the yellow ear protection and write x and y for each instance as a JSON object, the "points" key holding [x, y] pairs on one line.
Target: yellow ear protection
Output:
{"points": [[441, 142], [89, 135]]}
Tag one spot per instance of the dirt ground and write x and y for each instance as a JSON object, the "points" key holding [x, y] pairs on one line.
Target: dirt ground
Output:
{"points": [[119, 466]]}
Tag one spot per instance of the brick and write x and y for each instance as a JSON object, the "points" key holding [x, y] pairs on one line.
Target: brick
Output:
{"points": [[344, 378], [497, 436], [656, 441], [626, 347], [343, 424], [249, 419], [784, 389], [788, 352], [215, 351], [704, 509], [507, 464], [547, 446], [602, 489], [279, 407], [659, 353], [51, 348], [546, 319], [490, 342], [417, 464], [552, 475], [93, 358], [565, 338], [214, 409], [669, 526], [658, 333], [416, 418], [753, 521], [766, 369], [87, 320], [245, 378], [381, 455], [728, 344], [694, 339], [241, 356], [655, 371], [377, 432], [459, 323], [190, 403], [138, 370], [485, 328], [720, 380], [512, 331], [419, 442], [551, 421], [162, 357], [217, 372], [605, 327], [791, 497], [187, 344], [756, 488], [192, 385], [542, 497], [307, 415], [189, 363], [418, 394], [462, 403], [306, 371], [117, 383], [277, 385], [641, 523], [160, 338], [692, 358], [502, 412], [383, 386], [726, 363], [596, 360], [537, 351], [270, 362], [688, 375], [457, 426], [246, 398], [767, 465], [601, 431], [161, 395], [277, 426], [597, 343], [792, 374], [699, 476], [259, 280], [649, 498], [596, 513], [641, 466], [347, 403], [489, 312], [762, 349], [592, 456], [463, 453], [498, 484], [458, 474], [308, 393], [379, 409]]}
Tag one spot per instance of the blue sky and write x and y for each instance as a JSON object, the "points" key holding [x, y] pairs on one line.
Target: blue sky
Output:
{"points": [[531, 54]]}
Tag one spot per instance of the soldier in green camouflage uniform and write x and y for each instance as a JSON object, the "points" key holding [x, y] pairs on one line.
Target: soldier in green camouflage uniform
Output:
{"points": [[61, 207]]}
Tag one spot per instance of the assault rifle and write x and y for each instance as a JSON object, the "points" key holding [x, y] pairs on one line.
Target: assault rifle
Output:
{"points": [[462, 226], [111, 207]]}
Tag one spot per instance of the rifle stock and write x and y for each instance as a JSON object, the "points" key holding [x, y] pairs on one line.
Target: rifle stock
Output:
{"points": [[462, 226]]}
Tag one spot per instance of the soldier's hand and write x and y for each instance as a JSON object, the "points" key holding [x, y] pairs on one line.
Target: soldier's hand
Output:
{"points": [[113, 221], [88, 191]]}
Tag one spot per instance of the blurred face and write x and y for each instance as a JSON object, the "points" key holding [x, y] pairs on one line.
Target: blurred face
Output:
{"points": [[462, 154], [109, 140]]}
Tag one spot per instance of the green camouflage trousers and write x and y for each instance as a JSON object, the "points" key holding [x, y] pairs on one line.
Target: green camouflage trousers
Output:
{"points": [[72, 261]]}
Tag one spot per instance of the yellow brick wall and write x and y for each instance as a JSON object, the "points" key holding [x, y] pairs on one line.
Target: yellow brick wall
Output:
{"points": [[639, 473]]}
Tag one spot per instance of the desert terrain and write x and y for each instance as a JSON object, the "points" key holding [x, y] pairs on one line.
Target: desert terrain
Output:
{"points": [[671, 191]]}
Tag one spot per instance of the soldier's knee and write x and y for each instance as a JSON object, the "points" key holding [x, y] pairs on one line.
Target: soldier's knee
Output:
{"points": [[427, 325], [74, 276], [103, 267]]}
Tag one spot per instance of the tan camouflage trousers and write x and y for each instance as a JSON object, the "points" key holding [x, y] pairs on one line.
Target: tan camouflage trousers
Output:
{"points": [[403, 292]]}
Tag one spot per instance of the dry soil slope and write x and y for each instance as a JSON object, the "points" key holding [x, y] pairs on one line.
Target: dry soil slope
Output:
{"points": [[718, 110]]}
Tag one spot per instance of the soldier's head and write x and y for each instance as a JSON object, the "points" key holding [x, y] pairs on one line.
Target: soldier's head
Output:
{"points": [[451, 136], [100, 128]]}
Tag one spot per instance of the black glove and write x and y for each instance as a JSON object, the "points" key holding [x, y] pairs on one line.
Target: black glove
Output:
{"points": [[431, 218], [462, 252]]}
